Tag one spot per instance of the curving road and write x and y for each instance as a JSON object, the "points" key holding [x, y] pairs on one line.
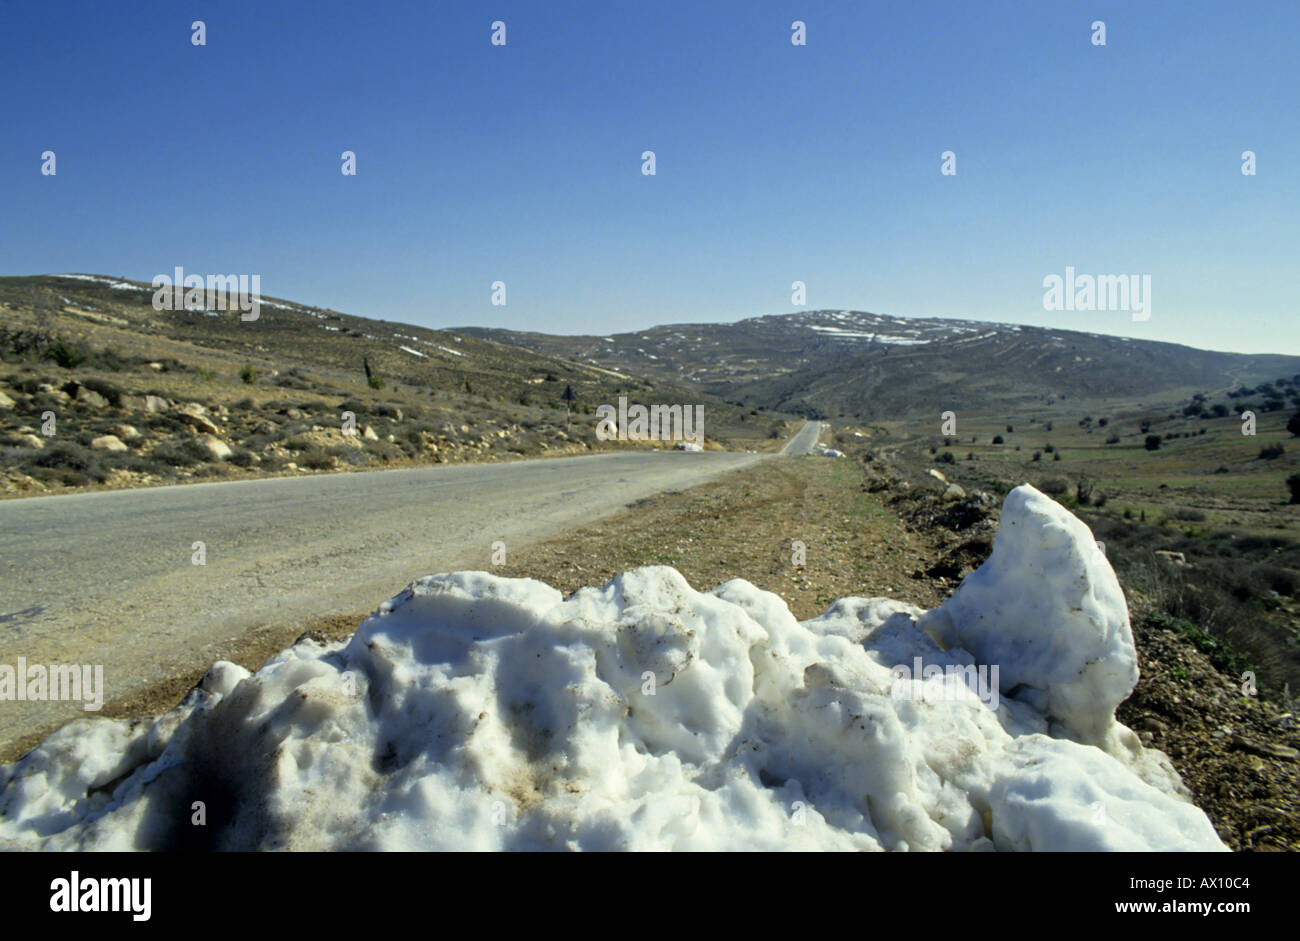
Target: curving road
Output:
{"points": [[108, 578]]}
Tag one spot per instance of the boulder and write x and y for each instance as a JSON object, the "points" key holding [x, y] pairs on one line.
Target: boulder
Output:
{"points": [[213, 447], [88, 396], [195, 415], [109, 443]]}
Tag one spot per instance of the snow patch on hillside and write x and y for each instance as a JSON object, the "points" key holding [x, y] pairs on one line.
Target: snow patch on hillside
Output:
{"points": [[478, 712]]}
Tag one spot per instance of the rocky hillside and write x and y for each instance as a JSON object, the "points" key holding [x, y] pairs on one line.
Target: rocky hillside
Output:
{"points": [[97, 388]]}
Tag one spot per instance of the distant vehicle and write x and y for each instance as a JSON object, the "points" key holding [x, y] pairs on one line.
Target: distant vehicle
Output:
{"points": [[687, 446], [831, 452]]}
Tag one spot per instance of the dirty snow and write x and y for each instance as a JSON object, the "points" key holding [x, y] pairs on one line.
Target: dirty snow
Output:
{"points": [[478, 712]]}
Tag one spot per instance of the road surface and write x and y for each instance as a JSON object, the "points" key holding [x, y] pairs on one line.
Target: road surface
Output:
{"points": [[805, 440], [109, 578]]}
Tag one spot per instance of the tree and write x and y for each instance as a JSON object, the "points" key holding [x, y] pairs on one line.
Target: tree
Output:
{"points": [[1293, 425], [997, 439], [1153, 443], [1293, 482]]}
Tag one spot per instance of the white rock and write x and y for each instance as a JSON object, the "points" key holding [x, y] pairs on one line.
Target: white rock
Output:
{"points": [[194, 414], [214, 447], [109, 443]]}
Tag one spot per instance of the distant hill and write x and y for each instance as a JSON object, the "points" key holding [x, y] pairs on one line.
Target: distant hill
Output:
{"points": [[871, 366]]}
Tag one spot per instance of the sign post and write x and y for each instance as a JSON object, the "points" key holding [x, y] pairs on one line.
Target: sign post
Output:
{"points": [[568, 397]]}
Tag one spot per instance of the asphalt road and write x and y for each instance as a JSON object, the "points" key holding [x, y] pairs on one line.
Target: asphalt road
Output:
{"points": [[805, 439], [109, 578]]}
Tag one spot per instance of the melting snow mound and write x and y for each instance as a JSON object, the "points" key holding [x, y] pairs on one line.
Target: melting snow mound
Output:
{"points": [[472, 712]]}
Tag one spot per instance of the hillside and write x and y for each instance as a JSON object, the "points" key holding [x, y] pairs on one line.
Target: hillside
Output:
{"points": [[99, 388], [842, 364]]}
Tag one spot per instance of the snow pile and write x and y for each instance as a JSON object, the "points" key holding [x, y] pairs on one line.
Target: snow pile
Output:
{"points": [[476, 712]]}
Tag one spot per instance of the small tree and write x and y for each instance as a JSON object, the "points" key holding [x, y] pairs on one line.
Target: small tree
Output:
{"points": [[1153, 442], [1293, 425], [371, 379], [997, 439], [248, 374], [1293, 483]]}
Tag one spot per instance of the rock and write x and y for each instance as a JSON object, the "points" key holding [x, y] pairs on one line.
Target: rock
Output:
{"points": [[156, 403], [390, 438], [54, 391], [953, 493], [1265, 749], [31, 441], [88, 396], [214, 447], [125, 432], [1177, 558], [21, 483], [109, 443], [194, 414], [5, 401], [937, 475], [156, 367], [369, 434], [294, 414], [132, 403]]}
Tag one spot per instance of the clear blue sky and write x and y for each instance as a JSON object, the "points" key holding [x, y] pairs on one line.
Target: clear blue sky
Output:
{"points": [[775, 163]]}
